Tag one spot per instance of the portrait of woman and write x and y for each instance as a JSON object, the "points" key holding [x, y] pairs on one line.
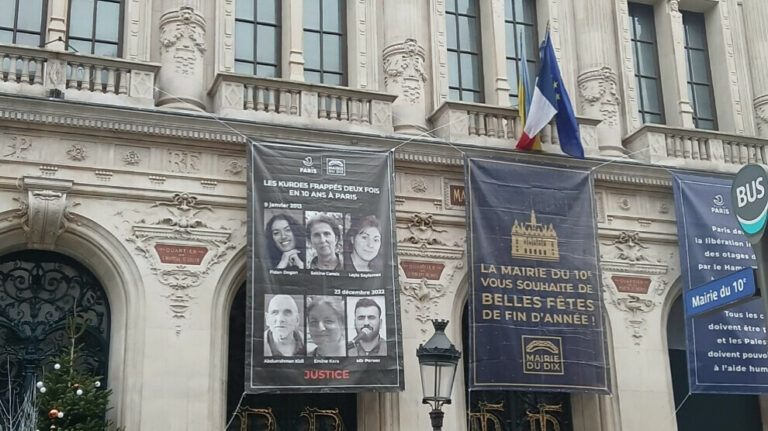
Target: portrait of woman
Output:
{"points": [[285, 241], [363, 245], [324, 235], [325, 322]]}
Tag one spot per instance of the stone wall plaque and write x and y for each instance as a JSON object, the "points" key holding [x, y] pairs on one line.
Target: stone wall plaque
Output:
{"points": [[180, 254], [422, 270], [631, 284]]}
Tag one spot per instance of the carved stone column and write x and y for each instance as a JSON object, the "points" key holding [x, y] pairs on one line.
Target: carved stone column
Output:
{"points": [[404, 59], [756, 31], [404, 75], [597, 65], [677, 106], [182, 47]]}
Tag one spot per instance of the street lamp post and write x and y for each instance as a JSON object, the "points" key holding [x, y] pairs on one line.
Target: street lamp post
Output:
{"points": [[438, 358]]}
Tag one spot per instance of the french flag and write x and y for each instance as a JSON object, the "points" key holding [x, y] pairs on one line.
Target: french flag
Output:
{"points": [[551, 100]]}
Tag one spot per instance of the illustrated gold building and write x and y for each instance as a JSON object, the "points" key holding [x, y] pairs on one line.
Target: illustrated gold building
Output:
{"points": [[532, 240]]}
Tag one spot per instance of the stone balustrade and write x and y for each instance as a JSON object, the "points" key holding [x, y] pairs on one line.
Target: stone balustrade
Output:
{"points": [[296, 103], [35, 71], [498, 126], [695, 149]]}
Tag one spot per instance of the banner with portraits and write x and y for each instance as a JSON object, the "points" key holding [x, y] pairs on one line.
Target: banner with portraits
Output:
{"points": [[323, 311], [536, 313]]}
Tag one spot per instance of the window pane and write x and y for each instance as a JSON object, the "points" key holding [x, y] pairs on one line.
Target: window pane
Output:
{"points": [[312, 77], [470, 76], [699, 66], [107, 21], [530, 41], [454, 94], [266, 11], [646, 59], [30, 15], [466, 7], [705, 124], [266, 44], [82, 46], [312, 14], [266, 71], [453, 69], [105, 49], [81, 18], [6, 18], [525, 11], [450, 6], [28, 39], [508, 12], [468, 34], [703, 102], [513, 102], [512, 66], [470, 96], [332, 59], [644, 23], [512, 40], [244, 40], [695, 33], [332, 79], [450, 29], [6, 36], [650, 94], [653, 118], [311, 50], [241, 67], [331, 16], [244, 9]]}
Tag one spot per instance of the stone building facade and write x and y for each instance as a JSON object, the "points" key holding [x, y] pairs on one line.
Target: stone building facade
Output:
{"points": [[102, 157]]}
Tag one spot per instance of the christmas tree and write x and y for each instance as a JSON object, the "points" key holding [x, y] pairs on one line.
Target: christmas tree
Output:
{"points": [[69, 398]]}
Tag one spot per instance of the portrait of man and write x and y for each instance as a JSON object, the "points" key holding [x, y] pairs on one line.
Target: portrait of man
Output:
{"points": [[368, 340], [284, 335]]}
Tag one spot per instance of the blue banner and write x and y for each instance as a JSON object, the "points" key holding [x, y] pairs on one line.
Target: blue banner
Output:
{"points": [[726, 349], [536, 311]]}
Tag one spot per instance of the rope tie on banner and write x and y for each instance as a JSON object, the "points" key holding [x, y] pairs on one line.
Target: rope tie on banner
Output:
{"points": [[234, 413], [682, 402]]}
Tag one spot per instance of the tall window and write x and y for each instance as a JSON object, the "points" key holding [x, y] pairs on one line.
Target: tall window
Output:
{"points": [[519, 20], [465, 78], [699, 77], [646, 63], [95, 27], [324, 41], [21, 21], [257, 37]]}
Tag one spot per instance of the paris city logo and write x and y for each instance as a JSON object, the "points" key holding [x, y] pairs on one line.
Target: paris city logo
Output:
{"points": [[542, 355]]}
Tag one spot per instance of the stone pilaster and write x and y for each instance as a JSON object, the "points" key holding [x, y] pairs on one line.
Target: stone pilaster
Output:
{"points": [[597, 78], [293, 53], [756, 31], [677, 106], [182, 48], [404, 64], [57, 25]]}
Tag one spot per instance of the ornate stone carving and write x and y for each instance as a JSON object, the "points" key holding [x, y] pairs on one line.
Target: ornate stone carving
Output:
{"points": [[182, 33], [674, 7], [404, 71], [628, 247], [422, 298], [599, 94], [17, 148], [184, 162], [132, 158], [234, 166], [77, 152], [761, 114], [182, 226], [636, 307], [422, 232], [44, 211], [418, 185]]}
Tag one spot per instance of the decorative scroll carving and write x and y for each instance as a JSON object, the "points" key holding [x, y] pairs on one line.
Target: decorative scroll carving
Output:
{"points": [[44, 212], [184, 162], [423, 297], [17, 148], [181, 226], [761, 114], [598, 89], [234, 166], [636, 307], [422, 232], [404, 71]]}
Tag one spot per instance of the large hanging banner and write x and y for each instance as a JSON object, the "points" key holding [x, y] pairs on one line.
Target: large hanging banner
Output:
{"points": [[323, 311], [726, 349], [536, 310]]}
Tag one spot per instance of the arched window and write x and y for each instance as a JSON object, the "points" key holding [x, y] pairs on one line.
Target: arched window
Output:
{"points": [[704, 412], [513, 410], [95, 27], [284, 410], [21, 21], [39, 291]]}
